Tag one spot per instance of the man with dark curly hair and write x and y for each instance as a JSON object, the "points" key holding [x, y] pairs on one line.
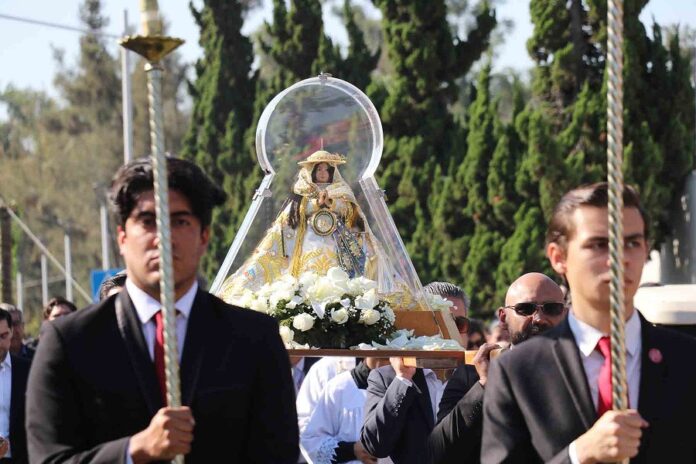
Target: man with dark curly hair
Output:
{"points": [[96, 393]]}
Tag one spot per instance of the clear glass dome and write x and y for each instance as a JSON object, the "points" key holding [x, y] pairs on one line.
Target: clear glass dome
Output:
{"points": [[319, 143]]}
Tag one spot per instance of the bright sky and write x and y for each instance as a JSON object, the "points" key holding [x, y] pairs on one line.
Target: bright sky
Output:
{"points": [[26, 57]]}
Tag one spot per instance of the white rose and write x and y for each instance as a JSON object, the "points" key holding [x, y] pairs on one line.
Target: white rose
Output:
{"points": [[369, 316], [245, 300], [388, 314], [303, 322], [324, 289], [337, 274], [339, 316], [368, 300], [294, 301], [345, 302], [307, 279], [283, 294], [264, 292], [286, 334], [319, 309], [260, 305], [360, 285]]}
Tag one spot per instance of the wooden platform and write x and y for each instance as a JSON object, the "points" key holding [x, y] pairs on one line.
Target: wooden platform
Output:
{"points": [[413, 358]]}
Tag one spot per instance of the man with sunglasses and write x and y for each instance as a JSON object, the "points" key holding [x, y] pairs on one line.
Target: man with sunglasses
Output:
{"points": [[533, 304], [563, 412]]}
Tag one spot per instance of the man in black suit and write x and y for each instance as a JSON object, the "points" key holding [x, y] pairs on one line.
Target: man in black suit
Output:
{"points": [[401, 403], [95, 393], [533, 304], [562, 413], [14, 371]]}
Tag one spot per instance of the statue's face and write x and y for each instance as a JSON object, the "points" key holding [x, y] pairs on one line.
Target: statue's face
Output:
{"points": [[321, 173]]}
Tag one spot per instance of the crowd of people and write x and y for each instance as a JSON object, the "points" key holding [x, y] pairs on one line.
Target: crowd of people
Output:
{"points": [[96, 390]]}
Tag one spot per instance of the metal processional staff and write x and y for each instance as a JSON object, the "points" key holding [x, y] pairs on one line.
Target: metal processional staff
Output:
{"points": [[153, 46]]}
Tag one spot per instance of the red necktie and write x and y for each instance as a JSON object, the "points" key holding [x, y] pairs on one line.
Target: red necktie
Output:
{"points": [[604, 398], [159, 355]]}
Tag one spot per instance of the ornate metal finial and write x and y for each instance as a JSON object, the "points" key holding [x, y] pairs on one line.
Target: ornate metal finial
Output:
{"points": [[151, 45]]}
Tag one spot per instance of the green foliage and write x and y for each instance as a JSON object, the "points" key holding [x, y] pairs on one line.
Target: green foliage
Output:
{"points": [[222, 113], [58, 154], [422, 139]]}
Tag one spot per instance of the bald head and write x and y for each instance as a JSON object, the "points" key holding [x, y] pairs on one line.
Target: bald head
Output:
{"points": [[533, 287]]}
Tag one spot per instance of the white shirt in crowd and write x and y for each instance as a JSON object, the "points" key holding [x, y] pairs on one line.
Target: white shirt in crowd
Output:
{"points": [[586, 338], [338, 416], [313, 385], [435, 388], [5, 400]]}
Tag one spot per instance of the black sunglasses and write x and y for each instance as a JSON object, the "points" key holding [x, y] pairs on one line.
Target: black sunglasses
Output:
{"points": [[462, 323], [549, 308]]}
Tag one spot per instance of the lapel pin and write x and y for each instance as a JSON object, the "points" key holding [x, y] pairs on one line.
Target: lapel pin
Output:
{"points": [[655, 355]]}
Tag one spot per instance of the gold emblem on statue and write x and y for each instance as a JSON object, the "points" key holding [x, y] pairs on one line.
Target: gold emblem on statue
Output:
{"points": [[324, 222]]}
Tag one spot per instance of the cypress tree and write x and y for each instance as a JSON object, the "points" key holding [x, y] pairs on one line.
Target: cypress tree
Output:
{"points": [[222, 114], [563, 127], [420, 133]]}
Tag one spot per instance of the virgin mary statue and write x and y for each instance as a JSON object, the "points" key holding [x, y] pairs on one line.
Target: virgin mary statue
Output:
{"points": [[320, 226]]}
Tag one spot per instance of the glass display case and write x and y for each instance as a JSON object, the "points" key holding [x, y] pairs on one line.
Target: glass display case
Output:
{"points": [[319, 143]]}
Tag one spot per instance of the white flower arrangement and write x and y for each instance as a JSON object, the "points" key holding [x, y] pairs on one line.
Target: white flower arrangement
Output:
{"points": [[331, 311]]}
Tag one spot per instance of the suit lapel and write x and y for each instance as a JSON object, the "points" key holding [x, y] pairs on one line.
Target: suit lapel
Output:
{"points": [[200, 320], [18, 387], [129, 327], [567, 357], [424, 397], [652, 379]]}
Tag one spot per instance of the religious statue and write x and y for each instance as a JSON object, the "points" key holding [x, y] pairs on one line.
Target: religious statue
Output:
{"points": [[321, 226]]}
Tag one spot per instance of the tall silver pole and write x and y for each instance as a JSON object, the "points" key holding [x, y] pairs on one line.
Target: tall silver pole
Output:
{"points": [[20, 289], [44, 280], [159, 168], [154, 47], [68, 267], [126, 98], [616, 204], [104, 219]]}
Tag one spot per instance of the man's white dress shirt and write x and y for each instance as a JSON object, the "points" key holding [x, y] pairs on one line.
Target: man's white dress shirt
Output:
{"points": [[586, 338], [146, 307]]}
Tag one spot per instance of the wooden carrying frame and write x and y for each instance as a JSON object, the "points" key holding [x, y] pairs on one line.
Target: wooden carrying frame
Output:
{"points": [[422, 323]]}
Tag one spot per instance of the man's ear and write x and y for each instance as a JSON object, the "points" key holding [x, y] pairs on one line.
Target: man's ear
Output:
{"points": [[205, 236], [557, 257], [501, 315], [120, 237]]}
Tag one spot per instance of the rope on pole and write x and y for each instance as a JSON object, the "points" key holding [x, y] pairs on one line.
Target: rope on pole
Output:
{"points": [[154, 47], [616, 185], [161, 184]]}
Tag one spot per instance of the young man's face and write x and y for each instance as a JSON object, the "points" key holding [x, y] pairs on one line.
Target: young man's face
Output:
{"points": [[138, 243], [585, 262]]}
